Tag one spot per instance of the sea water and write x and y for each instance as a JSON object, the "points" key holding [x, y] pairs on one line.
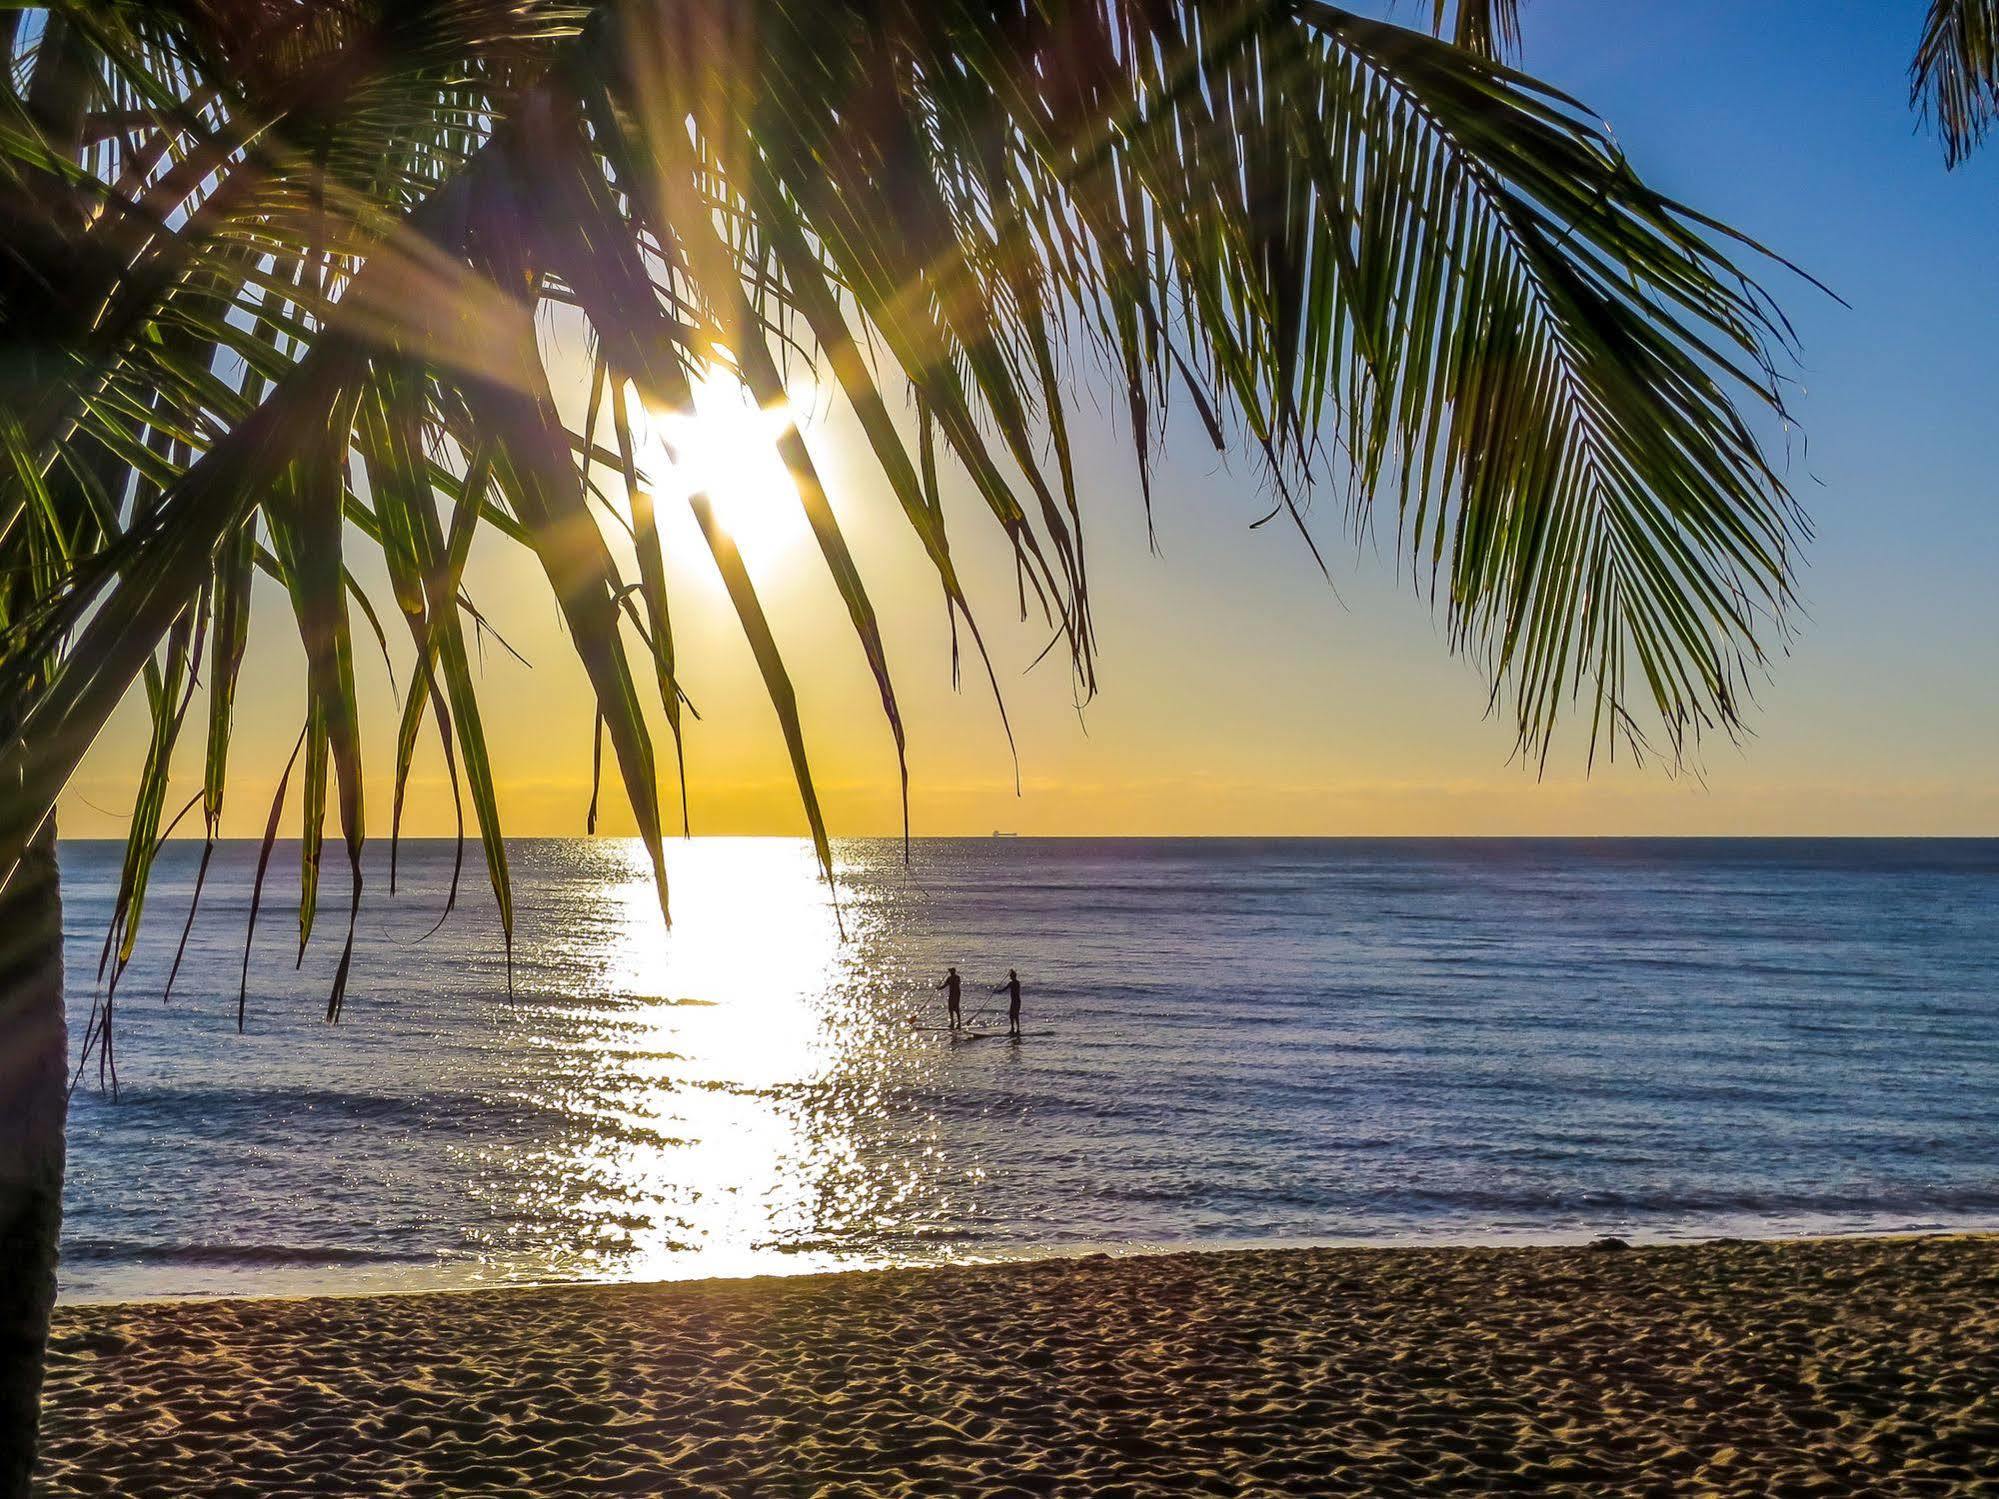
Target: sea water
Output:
{"points": [[1227, 1042]]}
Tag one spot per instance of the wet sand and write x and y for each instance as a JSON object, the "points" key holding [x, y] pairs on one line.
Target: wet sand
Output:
{"points": [[1813, 1367]]}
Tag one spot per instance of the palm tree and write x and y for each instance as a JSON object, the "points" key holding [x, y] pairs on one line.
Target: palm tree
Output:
{"points": [[269, 286]]}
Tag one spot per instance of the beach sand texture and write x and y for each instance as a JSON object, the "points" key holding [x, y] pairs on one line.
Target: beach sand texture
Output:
{"points": [[1810, 1367]]}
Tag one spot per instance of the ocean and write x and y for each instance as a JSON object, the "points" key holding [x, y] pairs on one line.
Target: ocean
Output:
{"points": [[1228, 1042]]}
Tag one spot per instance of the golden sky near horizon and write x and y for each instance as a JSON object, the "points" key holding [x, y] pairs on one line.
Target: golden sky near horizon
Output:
{"points": [[1241, 693]]}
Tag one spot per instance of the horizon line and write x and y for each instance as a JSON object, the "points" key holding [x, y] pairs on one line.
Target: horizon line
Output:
{"points": [[195, 839]]}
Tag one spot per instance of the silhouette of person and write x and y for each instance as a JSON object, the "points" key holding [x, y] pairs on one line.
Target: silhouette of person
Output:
{"points": [[1011, 989], [950, 985]]}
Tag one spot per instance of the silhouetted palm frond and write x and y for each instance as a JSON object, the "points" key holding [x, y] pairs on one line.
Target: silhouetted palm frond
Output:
{"points": [[1490, 28], [1954, 81], [278, 264]]}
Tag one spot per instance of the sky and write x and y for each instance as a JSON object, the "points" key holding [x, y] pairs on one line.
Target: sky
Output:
{"points": [[1239, 691]]}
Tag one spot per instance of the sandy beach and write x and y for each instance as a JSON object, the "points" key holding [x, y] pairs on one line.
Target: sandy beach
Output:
{"points": [[1811, 1367]]}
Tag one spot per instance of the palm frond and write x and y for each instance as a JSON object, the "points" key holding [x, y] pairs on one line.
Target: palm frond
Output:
{"points": [[1491, 28], [269, 253], [1954, 80]]}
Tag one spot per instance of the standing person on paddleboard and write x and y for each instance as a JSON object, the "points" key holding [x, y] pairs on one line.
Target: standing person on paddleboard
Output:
{"points": [[951, 984], [1011, 989]]}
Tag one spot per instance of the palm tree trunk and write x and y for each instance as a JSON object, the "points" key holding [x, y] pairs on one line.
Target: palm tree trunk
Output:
{"points": [[33, 1103]]}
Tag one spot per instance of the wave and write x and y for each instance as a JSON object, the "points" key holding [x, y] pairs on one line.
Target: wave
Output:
{"points": [[218, 1256], [1553, 1207], [291, 1113]]}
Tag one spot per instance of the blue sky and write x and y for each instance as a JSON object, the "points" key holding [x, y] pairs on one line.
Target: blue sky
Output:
{"points": [[1791, 122]]}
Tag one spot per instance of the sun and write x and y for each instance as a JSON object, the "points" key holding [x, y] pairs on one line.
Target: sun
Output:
{"points": [[726, 449]]}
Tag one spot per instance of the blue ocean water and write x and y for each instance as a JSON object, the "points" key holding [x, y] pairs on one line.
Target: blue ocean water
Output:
{"points": [[1227, 1041]]}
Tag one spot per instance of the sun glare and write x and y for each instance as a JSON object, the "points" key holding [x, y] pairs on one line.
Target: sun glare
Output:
{"points": [[726, 449], [715, 1158]]}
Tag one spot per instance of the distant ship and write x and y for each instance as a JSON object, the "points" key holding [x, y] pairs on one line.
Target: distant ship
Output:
{"points": [[998, 834]]}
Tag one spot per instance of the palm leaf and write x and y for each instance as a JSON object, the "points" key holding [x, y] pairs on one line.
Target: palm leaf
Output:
{"points": [[256, 238], [1490, 28], [1954, 80]]}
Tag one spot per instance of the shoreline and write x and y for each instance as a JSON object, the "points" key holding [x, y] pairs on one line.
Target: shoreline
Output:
{"points": [[771, 1265], [1817, 1365]]}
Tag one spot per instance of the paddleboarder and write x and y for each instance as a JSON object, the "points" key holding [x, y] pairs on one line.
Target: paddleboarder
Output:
{"points": [[1011, 989]]}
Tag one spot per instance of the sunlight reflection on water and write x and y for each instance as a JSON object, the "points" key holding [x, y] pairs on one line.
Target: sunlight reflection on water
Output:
{"points": [[736, 1026]]}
